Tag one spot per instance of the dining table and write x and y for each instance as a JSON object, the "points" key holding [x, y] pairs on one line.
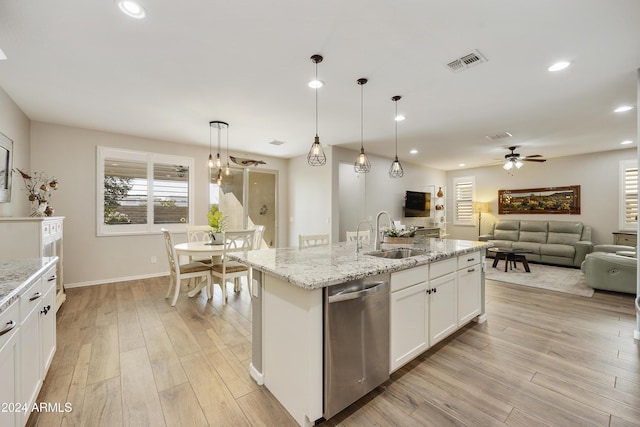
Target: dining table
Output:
{"points": [[199, 250]]}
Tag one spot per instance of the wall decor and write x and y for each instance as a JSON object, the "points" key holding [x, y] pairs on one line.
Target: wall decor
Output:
{"points": [[6, 151], [549, 200]]}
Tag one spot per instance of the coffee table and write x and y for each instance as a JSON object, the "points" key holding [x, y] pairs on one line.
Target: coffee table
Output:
{"points": [[510, 257]]}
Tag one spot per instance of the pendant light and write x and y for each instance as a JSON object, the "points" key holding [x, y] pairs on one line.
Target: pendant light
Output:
{"points": [[219, 125], [396, 171], [210, 162], [316, 156], [227, 170], [362, 164]]}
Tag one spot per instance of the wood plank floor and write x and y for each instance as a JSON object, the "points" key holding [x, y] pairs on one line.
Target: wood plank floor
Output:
{"points": [[127, 358]]}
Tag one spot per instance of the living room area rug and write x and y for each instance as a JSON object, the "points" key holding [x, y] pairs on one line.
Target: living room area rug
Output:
{"points": [[560, 279]]}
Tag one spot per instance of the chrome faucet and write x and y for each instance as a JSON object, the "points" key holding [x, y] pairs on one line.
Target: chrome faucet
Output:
{"points": [[358, 241], [378, 236]]}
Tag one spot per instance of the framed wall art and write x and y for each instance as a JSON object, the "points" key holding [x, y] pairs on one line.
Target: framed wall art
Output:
{"points": [[550, 200], [6, 151]]}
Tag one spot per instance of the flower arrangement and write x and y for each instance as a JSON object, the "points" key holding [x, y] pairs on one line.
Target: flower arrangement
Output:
{"points": [[408, 232], [217, 221], [39, 188]]}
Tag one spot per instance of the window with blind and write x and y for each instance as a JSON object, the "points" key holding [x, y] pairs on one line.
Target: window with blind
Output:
{"points": [[628, 195], [464, 189], [142, 192]]}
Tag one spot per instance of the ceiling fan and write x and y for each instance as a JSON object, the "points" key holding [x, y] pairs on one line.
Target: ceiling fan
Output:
{"points": [[514, 159]]}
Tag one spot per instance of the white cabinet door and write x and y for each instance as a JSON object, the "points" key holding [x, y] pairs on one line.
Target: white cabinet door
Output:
{"points": [[409, 324], [30, 379], [469, 289], [47, 314], [9, 367], [443, 319]]}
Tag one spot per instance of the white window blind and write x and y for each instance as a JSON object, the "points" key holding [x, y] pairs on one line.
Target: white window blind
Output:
{"points": [[628, 195], [464, 191], [142, 192]]}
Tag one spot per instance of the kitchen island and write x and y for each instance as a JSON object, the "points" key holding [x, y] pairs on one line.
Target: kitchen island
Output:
{"points": [[432, 294]]}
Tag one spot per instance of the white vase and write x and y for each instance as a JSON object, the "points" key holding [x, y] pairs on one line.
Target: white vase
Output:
{"points": [[217, 238]]}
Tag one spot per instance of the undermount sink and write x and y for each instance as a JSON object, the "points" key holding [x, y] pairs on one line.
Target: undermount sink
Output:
{"points": [[397, 253]]}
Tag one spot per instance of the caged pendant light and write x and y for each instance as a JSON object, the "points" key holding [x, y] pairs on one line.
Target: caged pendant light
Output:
{"points": [[316, 156], [219, 125], [395, 170], [362, 164]]}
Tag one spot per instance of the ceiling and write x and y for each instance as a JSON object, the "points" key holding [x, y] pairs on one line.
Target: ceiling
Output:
{"points": [[85, 64]]}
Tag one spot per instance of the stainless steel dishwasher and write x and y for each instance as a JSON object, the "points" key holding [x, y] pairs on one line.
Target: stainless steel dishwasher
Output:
{"points": [[356, 340]]}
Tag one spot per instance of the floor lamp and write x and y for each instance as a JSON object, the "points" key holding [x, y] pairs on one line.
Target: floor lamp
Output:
{"points": [[480, 207]]}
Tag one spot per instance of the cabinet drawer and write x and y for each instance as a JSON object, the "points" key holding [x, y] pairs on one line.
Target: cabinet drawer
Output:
{"points": [[440, 268], [405, 278], [9, 320], [49, 280], [30, 299], [468, 259]]}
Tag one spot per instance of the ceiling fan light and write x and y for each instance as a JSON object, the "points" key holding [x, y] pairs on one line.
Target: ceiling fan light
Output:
{"points": [[518, 164], [508, 165]]}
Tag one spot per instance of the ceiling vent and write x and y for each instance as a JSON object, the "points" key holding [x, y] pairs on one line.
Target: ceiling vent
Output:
{"points": [[466, 61], [276, 142], [498, 136]]}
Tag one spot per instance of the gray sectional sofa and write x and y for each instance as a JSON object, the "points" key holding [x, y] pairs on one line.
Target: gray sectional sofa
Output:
{"points": [[563, 243]]}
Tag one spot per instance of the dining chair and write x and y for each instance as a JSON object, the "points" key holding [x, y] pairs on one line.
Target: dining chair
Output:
{"points": [[183, 271], [200, 233], [227, 270], [307, 240], [364, 236], [257, 243]]}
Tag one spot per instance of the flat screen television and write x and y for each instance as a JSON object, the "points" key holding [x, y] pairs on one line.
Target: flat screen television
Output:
{"points": [[417, 204]]}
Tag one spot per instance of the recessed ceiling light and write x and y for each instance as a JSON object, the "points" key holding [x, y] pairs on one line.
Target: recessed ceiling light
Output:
{"points": [[623, 108], [132, 9], [315, 84], [461, 164], [627, 142], [413, 151], [559, 66], [2, 55], [400, 118]]}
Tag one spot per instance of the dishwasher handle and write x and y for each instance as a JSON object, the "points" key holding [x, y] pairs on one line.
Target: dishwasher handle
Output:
{"points": [[346, 296]]}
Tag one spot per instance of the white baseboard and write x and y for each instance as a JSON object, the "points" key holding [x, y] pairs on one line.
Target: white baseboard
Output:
{"points": [[481, 319], [113, 280], [258, 377]]}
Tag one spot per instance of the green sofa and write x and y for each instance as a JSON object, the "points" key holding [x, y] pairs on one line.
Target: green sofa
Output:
{"points": [[611, 268], [564, 243]]}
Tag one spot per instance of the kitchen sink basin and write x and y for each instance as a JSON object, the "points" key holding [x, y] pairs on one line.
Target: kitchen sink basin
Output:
{"points": [[397, 253]]}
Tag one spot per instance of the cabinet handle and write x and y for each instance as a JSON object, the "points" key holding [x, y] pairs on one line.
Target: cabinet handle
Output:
{"points": [[471, 270], [10, 325], [428, 291], [35, 296], [46, 309], [470, 259], [52, 278]]}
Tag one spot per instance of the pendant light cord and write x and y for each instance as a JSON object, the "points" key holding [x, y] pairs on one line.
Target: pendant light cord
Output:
{"points": [[316, 99], [396, 120], [361, 116]]}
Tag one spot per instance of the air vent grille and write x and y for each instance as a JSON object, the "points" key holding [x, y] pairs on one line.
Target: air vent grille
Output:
{"points": [[276, 142], [498, 136], [466, 61]]}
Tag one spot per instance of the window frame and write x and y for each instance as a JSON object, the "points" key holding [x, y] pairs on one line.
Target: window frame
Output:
{"points": [[623, 224], [456, 201], [151, 159]]}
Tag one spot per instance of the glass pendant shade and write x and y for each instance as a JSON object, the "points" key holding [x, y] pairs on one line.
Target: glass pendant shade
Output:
{"points": [[316, 156], [210, 163], [396, 170], [216, 124], [508, 165], [362, 164]]}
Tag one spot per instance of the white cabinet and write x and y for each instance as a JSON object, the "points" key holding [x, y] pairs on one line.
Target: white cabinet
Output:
{"points": [[409, 311], [9, 362], [430, 302], [27, 346], [469, 291], [35, 237]]}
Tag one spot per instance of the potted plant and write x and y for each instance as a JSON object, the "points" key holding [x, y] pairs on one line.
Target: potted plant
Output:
{"points": [[217, 223]]}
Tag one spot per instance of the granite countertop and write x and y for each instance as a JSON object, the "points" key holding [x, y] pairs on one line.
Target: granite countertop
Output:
{"points": [[16, 274], [320, 266]]}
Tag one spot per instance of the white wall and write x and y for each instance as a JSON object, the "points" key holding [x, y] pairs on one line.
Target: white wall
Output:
{"points": [[69, 154], [596, 173], [381, 192], [15, 126]]}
